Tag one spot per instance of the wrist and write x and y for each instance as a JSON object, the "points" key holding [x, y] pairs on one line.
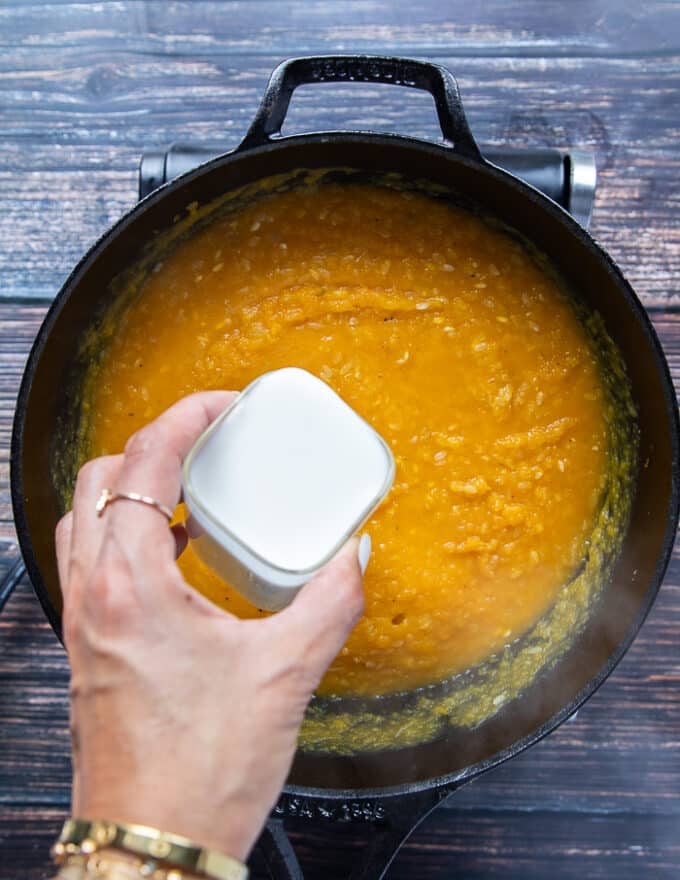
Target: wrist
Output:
{"points": [[231, 831]]}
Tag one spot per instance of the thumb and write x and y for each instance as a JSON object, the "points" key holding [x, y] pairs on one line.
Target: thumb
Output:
{"points": [[326, 609]]}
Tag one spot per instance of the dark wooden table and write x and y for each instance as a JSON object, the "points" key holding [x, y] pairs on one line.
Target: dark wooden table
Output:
{"points": [[85, 87]]}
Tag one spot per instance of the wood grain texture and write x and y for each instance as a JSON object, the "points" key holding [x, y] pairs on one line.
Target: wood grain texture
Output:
{"points": [[481, 845], [594, 29], [470, 844], [85, 87]]}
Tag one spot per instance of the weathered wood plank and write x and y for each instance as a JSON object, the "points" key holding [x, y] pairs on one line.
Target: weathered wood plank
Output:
{"points": [[488, 846], [475, 845], [496, 27]]}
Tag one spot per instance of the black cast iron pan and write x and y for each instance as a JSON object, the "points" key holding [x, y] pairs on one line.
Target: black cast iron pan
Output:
{"points": [[394, 788]]}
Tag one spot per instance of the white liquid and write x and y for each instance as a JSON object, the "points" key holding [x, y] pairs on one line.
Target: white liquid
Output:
{"points": [[291, 471]]}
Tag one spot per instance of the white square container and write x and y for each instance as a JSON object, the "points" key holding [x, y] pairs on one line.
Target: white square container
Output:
{"points": [[279, 482]]}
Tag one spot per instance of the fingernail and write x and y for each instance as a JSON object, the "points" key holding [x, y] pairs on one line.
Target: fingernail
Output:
{"points": [[364, 552]]}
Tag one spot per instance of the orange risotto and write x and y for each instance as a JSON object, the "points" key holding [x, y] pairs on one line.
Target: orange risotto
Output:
{"points": [[453, 341]]}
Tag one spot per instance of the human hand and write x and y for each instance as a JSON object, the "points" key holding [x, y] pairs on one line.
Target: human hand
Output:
{"points": [[183, 717]]}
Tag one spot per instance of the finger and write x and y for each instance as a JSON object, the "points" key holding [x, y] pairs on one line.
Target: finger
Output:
{"points": [[62, 543], [87, 529], [152, 466], [325, 611]]}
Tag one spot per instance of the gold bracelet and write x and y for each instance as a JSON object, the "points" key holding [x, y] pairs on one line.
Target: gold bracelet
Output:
{"points": [[114, 866], [81, 837], [105, 867]]}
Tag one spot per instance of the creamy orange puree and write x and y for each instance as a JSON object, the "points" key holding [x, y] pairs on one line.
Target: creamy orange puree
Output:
{"points": [[453, 342]]}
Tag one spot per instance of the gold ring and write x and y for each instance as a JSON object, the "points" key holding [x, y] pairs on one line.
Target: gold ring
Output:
{"points": [[108, 497]]}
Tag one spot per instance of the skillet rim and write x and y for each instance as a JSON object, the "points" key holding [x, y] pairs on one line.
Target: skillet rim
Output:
{"points": [[425, 148]]}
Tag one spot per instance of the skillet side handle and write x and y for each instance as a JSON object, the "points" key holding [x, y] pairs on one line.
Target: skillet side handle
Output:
{"points": [[391, 822], [386, 841], [432, 78]]}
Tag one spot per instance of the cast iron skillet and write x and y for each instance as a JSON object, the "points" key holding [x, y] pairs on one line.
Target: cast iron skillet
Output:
{"points": [[364, 787]]}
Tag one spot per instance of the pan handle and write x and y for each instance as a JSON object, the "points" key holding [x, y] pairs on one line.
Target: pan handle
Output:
{"points": [[432, 78]]}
